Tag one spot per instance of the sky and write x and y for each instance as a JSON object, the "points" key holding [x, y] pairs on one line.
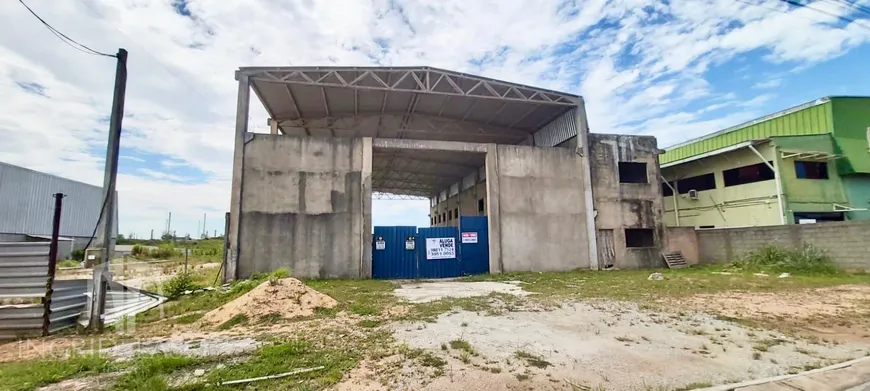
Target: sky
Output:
{"points": [[675, 69]]}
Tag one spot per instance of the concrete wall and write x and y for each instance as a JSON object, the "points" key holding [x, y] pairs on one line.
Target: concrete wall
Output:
{"points": [[627, 205], [306, 206], [845, 242], [466, 201], [536, 209], [684, 240]]}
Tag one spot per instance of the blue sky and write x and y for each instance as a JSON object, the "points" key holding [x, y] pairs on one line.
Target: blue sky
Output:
{"points": [[676, 70]]}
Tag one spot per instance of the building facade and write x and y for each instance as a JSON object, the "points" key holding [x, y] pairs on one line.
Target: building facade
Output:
{"points": [[807, 164], [27, 207]]}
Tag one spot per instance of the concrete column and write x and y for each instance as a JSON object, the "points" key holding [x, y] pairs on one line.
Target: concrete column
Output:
{"points": [[583, 151], [242, 109], [366, 237], [496, 264]]}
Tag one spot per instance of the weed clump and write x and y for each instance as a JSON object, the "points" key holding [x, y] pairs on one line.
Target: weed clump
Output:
{"points": [[176, 286], [805, 260]]}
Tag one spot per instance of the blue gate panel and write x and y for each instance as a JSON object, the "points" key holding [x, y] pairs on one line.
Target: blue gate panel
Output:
{"points": [[394, 260], [474, 250], [438, 268]]}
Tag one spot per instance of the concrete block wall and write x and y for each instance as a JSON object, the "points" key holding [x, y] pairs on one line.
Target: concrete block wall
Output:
{"points": [[846, 242], [306, 206], [536, 209], [627, 205], [684, 240]]}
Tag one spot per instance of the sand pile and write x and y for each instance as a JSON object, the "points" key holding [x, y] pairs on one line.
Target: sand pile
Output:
{"points": [[288, 298]]}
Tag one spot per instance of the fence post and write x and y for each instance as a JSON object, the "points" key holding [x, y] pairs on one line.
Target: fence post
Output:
{"points": [[52, 264]]}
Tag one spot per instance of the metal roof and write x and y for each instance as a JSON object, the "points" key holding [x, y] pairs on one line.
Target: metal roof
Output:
{"points": [[419, 103]]}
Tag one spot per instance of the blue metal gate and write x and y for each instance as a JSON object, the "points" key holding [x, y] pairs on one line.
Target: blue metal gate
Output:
{"points": [[405, 252], [474, 245], [392, 254], [438, 253]]}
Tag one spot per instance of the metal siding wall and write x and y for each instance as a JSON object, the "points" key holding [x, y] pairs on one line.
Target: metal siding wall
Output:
{"points": [[27, 205], [23, 275], [557, 131], [438, 268], [474, 257], [812, 120], [394, 261]]}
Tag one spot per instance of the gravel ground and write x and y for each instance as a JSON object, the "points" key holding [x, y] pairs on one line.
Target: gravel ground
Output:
{"points": [[213, 346], [431, 291], [617, 346]]}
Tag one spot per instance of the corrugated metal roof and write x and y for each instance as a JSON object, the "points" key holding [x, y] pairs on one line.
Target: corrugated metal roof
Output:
{"points": [[27, 203], [809, 118]]}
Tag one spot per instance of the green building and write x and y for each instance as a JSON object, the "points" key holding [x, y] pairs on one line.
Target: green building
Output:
{"points": [[806, 164]]}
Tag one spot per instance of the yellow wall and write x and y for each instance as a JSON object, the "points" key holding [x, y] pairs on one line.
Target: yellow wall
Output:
{"points": [[466, 201], [750, 204]]}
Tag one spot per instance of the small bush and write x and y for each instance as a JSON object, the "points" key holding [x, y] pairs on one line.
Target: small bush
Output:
{"points": [[175, 286], [68, 263], [139, 251], [164, 251], [277, 275], [78, 255], [805, 260]]}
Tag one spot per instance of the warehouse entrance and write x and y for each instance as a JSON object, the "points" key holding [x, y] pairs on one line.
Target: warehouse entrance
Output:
{"points": [[405, 252]]}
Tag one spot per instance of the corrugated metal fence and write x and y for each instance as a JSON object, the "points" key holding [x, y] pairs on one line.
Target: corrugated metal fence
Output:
{"points": [[23, 282]]}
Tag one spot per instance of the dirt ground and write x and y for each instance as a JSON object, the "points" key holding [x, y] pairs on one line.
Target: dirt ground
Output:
{"points": [[652, 345], [139, 275]]}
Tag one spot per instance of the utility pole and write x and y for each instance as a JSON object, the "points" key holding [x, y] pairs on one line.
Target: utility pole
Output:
{"points": [[169, 224], [204, 231], [101, 271], [52, 263]]}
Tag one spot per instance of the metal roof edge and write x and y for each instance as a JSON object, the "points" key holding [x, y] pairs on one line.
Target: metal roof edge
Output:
{"points": [[715, 152], [768, 117], [421, 68], [54, 175]]}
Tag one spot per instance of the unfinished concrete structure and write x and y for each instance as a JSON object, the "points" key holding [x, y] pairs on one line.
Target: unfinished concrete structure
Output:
{"points": [[301, 195]]}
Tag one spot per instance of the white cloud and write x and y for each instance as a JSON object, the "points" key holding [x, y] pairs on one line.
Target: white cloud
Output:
{"points": [[770, 83], [640, 65]]}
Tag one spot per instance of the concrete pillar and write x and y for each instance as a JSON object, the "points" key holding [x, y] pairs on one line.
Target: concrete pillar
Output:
{"points": [[242, 109], [492, 209], [583, 151]]}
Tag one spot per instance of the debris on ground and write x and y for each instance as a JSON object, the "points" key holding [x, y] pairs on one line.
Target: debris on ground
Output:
{"points": [[287, 297], [785, 275], [270, 377], [198, 347], [656, 277]]}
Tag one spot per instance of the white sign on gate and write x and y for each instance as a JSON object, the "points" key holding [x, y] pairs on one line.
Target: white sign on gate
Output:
{"points": [[469, 237], [440, 248]]}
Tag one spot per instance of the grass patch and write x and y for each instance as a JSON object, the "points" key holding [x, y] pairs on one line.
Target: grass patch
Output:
{"points": [[361, 297], [632, 285], [363, 309], [31, 374], [69, 263], [285, 356], [147, 372], [203, 301], [189, 318], [463, 345], [369, 323], [236, 320], [806, 260], [694, 386], [522, 377], [531, 359], [270, 318]]}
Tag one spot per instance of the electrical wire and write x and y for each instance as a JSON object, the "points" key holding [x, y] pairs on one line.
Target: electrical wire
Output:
{"points": [[63, 37], [840, 17]]}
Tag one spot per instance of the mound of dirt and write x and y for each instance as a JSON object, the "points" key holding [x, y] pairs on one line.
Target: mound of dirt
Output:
{"points": [[288, 298]]}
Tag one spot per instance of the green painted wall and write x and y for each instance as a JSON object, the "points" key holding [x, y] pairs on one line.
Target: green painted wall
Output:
{"points": [[812, 120], [752, 204], [851, 119], [809, 195], [857, 187]]}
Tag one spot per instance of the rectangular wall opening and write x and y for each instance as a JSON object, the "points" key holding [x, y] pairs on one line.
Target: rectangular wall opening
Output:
{"points": [[480, 206], [699, 183], [811, 170], [639, 238], [748, 174], [632, 172]]}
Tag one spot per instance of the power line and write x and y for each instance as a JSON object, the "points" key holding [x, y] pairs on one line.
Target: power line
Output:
{"points": [[840, 17], [67, 40]]}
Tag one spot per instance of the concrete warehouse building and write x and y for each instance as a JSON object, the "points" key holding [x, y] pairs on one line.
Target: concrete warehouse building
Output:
{"points": [[809, 163], [509, 169], [27, 208]]}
